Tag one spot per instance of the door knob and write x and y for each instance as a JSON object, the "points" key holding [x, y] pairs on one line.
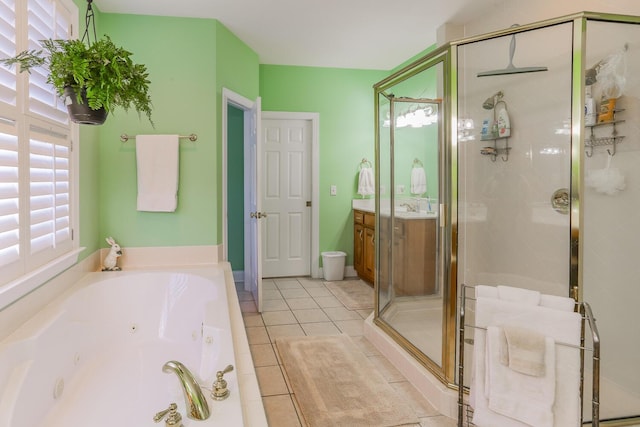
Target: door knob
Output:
{"points": [[261, 215]]}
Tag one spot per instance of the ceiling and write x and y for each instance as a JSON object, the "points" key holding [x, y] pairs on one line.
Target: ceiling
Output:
{"points": [[369, 34]]}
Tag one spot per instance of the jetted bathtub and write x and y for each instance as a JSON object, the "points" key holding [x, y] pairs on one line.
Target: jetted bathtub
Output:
{"points": [[94, 356]]}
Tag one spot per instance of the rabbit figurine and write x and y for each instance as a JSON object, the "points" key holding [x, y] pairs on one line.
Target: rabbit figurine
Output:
{"points": [[111, 260]]}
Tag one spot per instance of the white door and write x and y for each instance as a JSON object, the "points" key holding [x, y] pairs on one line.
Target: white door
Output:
{"points": [[286, 197], [253, 202]]}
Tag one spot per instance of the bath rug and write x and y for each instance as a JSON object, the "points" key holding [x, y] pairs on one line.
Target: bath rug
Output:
{"points": [[354, 294], [334, 384]]}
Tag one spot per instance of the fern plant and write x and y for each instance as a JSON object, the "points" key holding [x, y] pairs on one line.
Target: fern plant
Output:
{"points": [[102, 73]]}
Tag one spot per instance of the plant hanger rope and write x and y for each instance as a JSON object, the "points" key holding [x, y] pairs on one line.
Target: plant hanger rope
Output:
{"points": [[89, 19]]}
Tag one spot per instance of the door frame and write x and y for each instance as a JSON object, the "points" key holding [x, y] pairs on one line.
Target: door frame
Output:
{"points": [[315, 178], [231, 98], [246, 105]]}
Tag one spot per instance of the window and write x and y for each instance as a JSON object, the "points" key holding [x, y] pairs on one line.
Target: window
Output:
{"points": [[37, 200]]}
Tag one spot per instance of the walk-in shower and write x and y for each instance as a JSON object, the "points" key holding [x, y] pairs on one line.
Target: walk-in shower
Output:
{"points": [[549, 204]]}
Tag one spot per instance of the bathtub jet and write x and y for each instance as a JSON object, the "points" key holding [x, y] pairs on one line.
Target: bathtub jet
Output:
{"points": [[196, 403]]}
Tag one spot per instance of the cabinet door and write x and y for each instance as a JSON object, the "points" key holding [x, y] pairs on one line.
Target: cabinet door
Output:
{"points": [[358, 248], [369, 253]]}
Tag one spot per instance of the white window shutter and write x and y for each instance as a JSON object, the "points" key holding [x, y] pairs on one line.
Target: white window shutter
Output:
{"points": [[9, 200], [49, 198], [45, 22], [7, 50]]}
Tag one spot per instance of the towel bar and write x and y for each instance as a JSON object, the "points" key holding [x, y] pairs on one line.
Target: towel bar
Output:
{"points": [[193, 137], [465, 412]]}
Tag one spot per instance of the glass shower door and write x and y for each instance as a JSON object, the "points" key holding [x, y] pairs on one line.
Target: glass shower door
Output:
{"points": [[410, 283]]}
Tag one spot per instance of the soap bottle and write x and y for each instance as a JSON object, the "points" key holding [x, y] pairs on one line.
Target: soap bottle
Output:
{"points": [[589, 108], [504, 125]]}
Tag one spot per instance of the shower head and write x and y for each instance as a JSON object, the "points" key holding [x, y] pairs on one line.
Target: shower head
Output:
{"points": [[490, 102]]}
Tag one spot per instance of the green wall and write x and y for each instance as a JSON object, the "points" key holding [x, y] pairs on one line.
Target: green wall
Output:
{"points": [[189, 61], [344, 100], [235, 187]]}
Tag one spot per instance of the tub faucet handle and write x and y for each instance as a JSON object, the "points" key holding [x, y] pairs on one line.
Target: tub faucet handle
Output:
{"points": [[173, 416], [219, 390]]}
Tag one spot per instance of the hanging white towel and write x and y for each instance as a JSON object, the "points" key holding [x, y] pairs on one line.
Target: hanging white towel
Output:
{"points": [[528, 399], [157, 160], [366, 182], [418, 181]]}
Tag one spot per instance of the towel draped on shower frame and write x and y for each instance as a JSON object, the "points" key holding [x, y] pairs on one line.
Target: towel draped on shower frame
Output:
{"points": [[483, 333]]}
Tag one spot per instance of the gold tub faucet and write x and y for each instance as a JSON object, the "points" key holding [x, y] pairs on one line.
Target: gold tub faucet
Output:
{"points": [[196, 403]]}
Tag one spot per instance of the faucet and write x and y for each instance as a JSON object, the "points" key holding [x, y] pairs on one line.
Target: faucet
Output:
{"points": [[411, 207], [196, 403]]}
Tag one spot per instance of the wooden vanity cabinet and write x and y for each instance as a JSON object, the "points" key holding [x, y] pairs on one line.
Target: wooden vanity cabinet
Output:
{"points": [[364, 247]]}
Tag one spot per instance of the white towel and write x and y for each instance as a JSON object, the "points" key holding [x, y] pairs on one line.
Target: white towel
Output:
{"points": [[418, 181], [157, 160], [561, 325], [366, 182], [525, 398]]}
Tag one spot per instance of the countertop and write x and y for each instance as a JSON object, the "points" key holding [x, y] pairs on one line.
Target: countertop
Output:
{"points": [[369, 205]]}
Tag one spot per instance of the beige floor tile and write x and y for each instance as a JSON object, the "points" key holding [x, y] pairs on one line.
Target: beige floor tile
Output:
{"points": [[319, 291], [437, 421], [274, 305], [263, 355], [257, 335], [294, 293], [415, 399], [301, 303], [351, 327], [277, 331], [271, 381], [269, 294], [313, 315], [252, 319], [388, 371], [341, 313], [321, 328], [309, 283], [279, 318], [268, 284], [248, 307], [327, 302], [287, 284], [280, 411]]}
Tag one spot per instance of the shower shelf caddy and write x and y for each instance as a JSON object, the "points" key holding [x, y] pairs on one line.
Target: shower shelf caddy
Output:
{"points": [[496, 151], [614, 139], [465, 411]]}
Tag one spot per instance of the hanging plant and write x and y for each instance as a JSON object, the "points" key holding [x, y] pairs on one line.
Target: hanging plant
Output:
{"points": [[91, 77]]}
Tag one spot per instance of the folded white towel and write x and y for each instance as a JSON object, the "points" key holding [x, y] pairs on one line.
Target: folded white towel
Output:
{"points": [[418, 181], [560, 325], [157, 161], [523, 351], [524, 296], [525, 398], [366, 182]]}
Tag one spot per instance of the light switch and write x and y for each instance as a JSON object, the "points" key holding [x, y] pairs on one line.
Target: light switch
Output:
{"points": [[334, 190]]}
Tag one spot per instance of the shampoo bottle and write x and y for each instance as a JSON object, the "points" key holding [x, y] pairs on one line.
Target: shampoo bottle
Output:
{"points": [[504, 125], [589, 108]]}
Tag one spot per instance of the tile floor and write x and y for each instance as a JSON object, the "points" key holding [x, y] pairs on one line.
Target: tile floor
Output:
{"points": [[304, 306]]}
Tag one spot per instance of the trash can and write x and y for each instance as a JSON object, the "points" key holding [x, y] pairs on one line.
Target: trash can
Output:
{"points": [[333, 265]]}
